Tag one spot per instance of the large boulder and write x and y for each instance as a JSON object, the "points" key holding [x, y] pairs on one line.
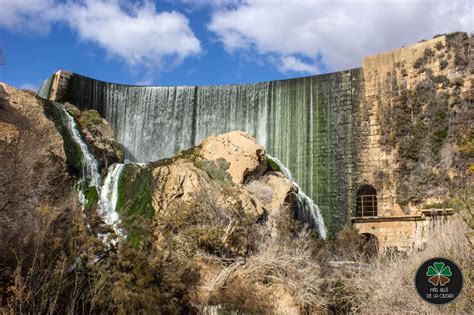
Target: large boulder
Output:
{"points": [[218, 200], [272, 189], [219, 166], [244, 155]]}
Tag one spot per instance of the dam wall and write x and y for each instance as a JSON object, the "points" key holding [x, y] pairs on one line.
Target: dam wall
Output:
{"points": [[307, 123], [330, 130]]}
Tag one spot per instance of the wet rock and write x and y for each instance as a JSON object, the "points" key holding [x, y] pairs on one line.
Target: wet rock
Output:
{"points": [[98, 135]]}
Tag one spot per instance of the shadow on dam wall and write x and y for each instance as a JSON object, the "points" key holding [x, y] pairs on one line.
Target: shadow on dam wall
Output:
{"points": [[309, 123]]}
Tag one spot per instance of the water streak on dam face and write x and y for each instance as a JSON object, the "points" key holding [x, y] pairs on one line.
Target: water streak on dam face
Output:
{"points": [[307, 123]]}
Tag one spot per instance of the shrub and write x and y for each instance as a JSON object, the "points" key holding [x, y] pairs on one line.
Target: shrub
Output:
{"points": [[441, 79], [420, 62], [387, 287], [279, 267], [443, 64], [68, 270]]}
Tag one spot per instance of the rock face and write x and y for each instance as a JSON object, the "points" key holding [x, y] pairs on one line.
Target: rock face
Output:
{"points": [[99, 136], [218, 165], [244, 155], [33, 166]]}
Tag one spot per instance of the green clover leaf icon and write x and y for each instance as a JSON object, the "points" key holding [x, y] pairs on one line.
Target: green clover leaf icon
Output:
{"points": [[439, 273]]}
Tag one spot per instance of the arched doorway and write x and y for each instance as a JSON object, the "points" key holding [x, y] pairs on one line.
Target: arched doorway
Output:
{"points": [[369, 245], [366, 202]]}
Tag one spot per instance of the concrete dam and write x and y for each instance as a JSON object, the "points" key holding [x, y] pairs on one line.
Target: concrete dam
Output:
{"points": [[324, 128]]}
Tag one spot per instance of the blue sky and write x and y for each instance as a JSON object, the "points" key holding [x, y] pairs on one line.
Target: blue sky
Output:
{"points": [[210, 41]]}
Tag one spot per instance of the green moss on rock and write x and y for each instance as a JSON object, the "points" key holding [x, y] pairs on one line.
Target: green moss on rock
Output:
{"points": [[273, 165], [92, 197], [134, 200], [217, 170], [73, 152]]}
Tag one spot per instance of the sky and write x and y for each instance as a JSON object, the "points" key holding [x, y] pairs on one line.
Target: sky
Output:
{"points": [[204, 42]]}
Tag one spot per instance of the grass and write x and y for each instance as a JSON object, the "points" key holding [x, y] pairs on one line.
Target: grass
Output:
{"points": [[387, 288]]}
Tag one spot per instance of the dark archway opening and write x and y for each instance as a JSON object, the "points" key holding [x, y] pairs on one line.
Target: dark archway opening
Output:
{"points": [[369, 245], [366, 202]]}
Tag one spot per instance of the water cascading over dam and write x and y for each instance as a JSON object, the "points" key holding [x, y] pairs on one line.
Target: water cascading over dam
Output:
{"points": [[307, 123]]}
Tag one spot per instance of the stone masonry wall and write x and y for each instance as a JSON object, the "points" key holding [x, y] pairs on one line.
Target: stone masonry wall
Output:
{"points": [[386, 76], [405, 234]]}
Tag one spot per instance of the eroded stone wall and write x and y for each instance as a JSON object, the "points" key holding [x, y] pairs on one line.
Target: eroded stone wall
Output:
{"points": [[401, 82], [403, 234]]}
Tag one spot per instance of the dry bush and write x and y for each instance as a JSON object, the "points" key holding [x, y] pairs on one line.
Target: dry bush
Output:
{"points": [[66, 269], [45, 277], [283, 268], [349, 245], [31, 176], [388, 286]]}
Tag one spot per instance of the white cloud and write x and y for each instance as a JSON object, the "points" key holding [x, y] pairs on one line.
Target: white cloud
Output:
{"points": [[341, 31], [29, 15], [290, 63], [141, 36], [136, 33]]}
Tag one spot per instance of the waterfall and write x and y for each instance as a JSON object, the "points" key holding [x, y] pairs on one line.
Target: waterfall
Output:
{"points": [[310, 212], [213, 310], [44, 89], [109, 196], [91, 175], [309, 123], [90, 167]]}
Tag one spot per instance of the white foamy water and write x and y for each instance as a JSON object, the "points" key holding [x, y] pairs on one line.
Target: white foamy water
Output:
{"points": [[311, 211], [108, 192], [90, 166], [109, 195]]}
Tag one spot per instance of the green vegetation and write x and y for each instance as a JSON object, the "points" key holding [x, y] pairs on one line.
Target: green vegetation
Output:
{"points": [[459, 43], [439, 45], [443, 64], [73, 151], [134, 201], [92, 197], [273, 165], [90, 120], [428, 54], [445, 204], [418, 125], [217, 170], [441, 79], [66, 270]]}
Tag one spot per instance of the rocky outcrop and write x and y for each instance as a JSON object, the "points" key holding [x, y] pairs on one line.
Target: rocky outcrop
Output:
{"points": [[220, 165], [33, 177], [219, 198], [244, 155], [99, 136]]}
